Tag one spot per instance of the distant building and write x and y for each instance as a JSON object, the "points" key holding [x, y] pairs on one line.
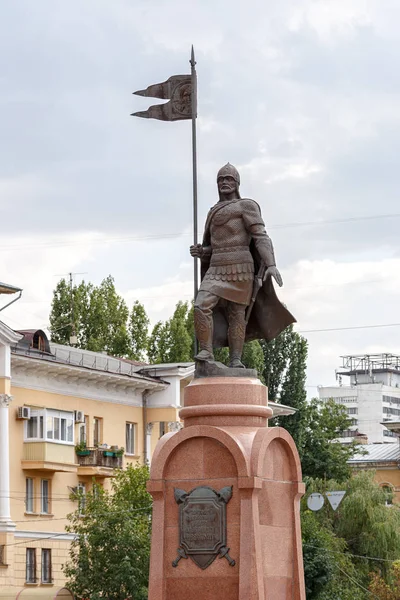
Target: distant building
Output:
{"points": [[372, 398], [384, 460]]}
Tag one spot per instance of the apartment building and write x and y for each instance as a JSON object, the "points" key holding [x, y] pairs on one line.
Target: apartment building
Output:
{"points": [[371, 398], [67, 417]]}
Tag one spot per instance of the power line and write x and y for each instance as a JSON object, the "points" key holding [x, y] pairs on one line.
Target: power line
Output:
{"points": [[349, 328], [357, 583], [186, 233], [353, 555]]}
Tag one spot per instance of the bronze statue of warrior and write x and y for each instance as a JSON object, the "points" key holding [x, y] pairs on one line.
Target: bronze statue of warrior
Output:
{"points": [[236, 253]]}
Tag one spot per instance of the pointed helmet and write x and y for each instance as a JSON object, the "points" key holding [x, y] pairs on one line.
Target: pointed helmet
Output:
{"points": [[229, 170]]}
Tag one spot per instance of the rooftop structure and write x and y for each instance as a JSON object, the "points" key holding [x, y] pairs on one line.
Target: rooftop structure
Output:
{"points": [[372, 398]]}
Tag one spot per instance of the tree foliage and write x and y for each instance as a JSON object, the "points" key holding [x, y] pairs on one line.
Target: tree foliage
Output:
{"points": [[383, 590], [327, 566], [321, 456], [139, 331], [101, 319], [109, 556], [368, 530]]}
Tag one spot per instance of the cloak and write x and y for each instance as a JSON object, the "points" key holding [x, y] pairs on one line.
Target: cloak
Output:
{"points": [[269, 317]]}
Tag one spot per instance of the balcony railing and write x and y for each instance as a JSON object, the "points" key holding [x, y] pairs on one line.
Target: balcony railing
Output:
{"points": [[98, 457]]}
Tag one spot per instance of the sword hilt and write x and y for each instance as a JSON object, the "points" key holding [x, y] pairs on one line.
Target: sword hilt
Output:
{"points": [[224, 554], [181, 554]]}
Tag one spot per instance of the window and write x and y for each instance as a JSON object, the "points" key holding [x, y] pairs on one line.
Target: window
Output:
{"points": [[130, 436], [2, 554], [45, 496], [163, 428], [82, 433], [388, 433], [345, 399], [352, 411], [348, 433], [29, 505], [30, 571], [52, 425], [97, 431], [81, 497], [46, 566], [391, 399]]}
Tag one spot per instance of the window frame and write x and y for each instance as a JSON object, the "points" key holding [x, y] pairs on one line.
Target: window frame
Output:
{"points": [[130, 429], [45, 423], [45, 500], [29, 497], [49, 567], [30, 566], [97, 431]]}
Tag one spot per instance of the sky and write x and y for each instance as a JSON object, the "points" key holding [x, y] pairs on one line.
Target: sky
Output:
{"points": [[302, 96]]}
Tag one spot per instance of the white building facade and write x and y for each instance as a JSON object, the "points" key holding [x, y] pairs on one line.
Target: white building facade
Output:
{"points": [[371, 398]]}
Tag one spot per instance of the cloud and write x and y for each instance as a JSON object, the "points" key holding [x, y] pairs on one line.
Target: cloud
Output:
{"points": [[302, 97]]}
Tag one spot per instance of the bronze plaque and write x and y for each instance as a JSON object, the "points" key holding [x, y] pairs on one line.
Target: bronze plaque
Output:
{"points": [[202, 525]]}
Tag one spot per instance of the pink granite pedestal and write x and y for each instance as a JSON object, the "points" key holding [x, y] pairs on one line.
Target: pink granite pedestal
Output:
{"points": [[226, 442]]}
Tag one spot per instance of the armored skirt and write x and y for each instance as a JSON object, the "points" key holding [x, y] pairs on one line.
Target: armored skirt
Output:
{"points": [[230, 274]]}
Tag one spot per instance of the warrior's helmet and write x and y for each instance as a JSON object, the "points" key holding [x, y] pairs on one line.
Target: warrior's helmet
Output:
{"points": [[229, 170]]}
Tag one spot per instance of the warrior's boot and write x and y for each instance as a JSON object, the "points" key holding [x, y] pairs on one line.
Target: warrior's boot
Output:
{"points": [[236, 335], [203, 325]]}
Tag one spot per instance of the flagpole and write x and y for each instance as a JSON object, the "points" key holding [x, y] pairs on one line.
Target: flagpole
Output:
{"points": [[194, 163]]}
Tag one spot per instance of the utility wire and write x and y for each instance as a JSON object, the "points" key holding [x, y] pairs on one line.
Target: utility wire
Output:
{"points": [[357, 583], [349, 328], [354, 555], [187, 233]]}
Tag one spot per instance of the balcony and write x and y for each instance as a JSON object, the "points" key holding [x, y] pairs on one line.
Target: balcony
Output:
{"points": [[49, 456], [98, 462]]}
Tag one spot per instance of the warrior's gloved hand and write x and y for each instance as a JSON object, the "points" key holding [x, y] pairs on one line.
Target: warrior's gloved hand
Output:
{"points": [[196, 251], [273, 272]]}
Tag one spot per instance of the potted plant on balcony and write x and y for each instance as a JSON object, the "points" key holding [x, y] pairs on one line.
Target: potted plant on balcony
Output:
{"points": [[81, 449], [119, 451], [107, 451]]}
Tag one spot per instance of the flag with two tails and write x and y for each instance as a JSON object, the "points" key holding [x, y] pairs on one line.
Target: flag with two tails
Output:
{"points": [[179, 90]]}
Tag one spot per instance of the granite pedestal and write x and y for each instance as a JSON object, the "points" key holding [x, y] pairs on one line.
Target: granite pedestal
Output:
{"points": [[226, 443]]}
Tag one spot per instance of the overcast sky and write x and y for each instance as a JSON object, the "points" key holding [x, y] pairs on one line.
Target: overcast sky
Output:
{"points": [[301, 95]]}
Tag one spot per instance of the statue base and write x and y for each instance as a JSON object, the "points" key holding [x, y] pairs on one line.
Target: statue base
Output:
{"points": [[226, 491], [214, 368]]}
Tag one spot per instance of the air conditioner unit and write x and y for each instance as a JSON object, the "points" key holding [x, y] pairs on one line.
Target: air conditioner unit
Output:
{"points": [[79, 416], [24, 412]]}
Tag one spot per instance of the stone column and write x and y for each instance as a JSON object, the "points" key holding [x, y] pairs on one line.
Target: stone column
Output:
{"points": [[5, 514], [149, 430], [175, 426]]}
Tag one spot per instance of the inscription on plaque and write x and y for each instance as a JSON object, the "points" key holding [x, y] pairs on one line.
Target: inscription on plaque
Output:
{"points": [[202, 525]]}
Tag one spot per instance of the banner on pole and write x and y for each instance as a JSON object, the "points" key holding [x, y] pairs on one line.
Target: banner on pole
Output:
{"points": [[178, 89]]}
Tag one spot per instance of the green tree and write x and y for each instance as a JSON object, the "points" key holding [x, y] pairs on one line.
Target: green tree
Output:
{"points": [[99, 316], [369, 528], [139, 331], [328, 568], [293, 391], [69, 311], [180, 340], [386, 591], [109, 556], [171, 341], [277, 357], [321, 456], [107, 319], [156, 344]]}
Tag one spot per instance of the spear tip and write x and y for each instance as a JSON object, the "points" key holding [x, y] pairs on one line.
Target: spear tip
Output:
{"points": [[192, 59]]}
